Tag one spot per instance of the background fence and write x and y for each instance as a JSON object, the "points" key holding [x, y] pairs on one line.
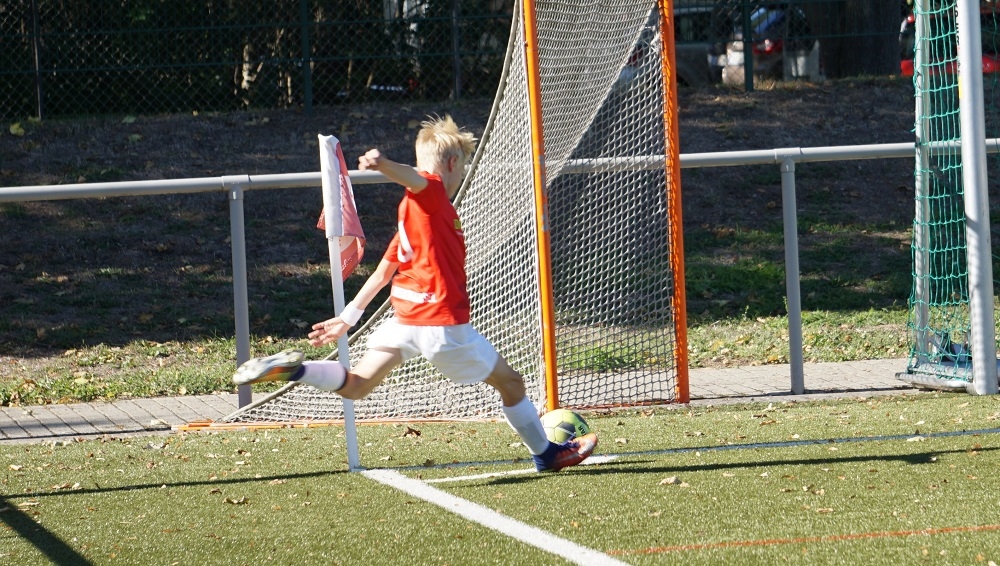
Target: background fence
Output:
{"points": [[147, 56]]}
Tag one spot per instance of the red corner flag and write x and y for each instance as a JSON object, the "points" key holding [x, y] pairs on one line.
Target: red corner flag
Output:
{"points": [[338, 199]]}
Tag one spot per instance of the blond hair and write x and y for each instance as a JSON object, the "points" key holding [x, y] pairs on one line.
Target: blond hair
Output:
{"points": [[440, 139]]}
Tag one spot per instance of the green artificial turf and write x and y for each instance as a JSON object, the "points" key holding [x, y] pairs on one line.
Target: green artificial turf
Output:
{"points": [[885, 480]]}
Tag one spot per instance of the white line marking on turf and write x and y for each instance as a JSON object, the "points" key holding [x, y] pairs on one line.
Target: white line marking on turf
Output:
{"points": [[483, 476], [490, 519], [602, 459]]}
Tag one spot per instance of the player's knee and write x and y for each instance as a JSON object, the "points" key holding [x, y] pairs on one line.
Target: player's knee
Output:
{"points": [[355, 387], [508, 383]]}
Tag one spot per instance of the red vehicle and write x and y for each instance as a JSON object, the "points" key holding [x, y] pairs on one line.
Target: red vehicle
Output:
{"points": [[947, 54]]}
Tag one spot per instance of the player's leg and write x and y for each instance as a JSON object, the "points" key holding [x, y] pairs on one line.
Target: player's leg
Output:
{"points": [[517, 408], [326, 375], [388, 346], [465, 356], [373, 367], [523, 418], [290, 365]]}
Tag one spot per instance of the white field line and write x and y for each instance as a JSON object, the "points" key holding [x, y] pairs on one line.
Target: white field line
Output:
{"points": [[602, 459], [490, 519]]}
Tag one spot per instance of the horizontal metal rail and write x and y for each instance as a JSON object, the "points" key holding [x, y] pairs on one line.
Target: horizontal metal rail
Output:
{"points": [[235, 185], [299, 180]]}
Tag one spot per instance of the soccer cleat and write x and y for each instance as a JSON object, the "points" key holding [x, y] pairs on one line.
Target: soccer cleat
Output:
{"points": [[571, 453], [280, 367]]}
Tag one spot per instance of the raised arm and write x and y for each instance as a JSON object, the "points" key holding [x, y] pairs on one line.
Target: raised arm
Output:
{"points": [[331, 330], [395, 172]]}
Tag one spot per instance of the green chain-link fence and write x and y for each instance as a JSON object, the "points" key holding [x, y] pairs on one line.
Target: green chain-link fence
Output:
{"points": [[148, 56], [71, 58]]}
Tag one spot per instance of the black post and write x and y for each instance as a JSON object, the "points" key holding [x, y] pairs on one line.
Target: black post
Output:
{"points": [[36, 44], [747, 48], [306, 59], [456, 44]]}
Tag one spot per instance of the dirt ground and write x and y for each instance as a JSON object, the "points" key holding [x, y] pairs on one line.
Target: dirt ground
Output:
{"points": [[712, 119], [48, 246]]}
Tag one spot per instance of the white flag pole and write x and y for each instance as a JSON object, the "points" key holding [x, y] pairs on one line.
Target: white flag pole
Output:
{"points": [[330, 176]]}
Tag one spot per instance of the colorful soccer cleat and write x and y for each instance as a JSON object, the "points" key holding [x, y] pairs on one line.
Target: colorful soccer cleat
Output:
{"points": [[559, 456], [282, 366]]}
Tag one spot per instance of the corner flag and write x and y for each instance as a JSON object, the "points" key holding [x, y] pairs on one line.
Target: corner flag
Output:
{"points": [[338, 198], [346, 242]]}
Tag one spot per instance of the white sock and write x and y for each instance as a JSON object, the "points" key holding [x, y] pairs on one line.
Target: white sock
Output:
{"points": [[328, 375], [523, 418]]}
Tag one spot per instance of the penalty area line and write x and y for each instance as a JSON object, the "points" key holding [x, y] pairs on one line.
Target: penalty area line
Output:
{"points": [[490, 519]]}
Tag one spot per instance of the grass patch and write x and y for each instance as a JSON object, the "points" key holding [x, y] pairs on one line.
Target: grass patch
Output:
{"points": [[826, 337], [838, 481]]}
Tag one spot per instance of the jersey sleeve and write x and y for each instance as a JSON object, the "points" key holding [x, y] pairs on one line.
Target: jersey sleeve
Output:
{"points": [[392, 251], [431, 197]]}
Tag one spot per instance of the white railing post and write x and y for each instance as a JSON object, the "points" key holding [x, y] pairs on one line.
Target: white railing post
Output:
{"points": [[241, 302], [793, 293], [977, 208]]}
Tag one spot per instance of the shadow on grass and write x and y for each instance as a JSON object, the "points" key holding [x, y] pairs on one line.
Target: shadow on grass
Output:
{"points": [[113, 271], [58, 552], [47, 543], [610, 468], [214, 482], [915, 459], [117, 283]]}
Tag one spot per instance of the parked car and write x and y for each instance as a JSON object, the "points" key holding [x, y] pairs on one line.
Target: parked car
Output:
{"points": [[946, 51], [781, 44]]}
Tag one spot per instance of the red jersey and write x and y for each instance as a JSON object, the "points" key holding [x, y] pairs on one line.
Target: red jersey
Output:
{"points": [[429, 288]]}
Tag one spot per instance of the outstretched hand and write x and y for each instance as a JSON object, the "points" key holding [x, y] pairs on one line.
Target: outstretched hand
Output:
{"points": [[328, 331], [370, 160]]}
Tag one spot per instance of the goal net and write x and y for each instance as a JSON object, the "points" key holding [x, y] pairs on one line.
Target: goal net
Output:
{"points": [[942, 313], [611, 285]]}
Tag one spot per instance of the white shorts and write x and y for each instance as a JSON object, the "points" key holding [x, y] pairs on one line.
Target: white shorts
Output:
{"points": [[458, 351]]}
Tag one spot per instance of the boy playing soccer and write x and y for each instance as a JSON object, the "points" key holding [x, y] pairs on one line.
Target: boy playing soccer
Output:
{"points": [[425, 262]]}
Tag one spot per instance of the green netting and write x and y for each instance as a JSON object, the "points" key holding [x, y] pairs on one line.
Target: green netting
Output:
{"points": [[940, 320]]}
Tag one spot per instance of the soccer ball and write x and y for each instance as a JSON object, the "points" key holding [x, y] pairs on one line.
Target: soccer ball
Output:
{"points": [[562, 425]]}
